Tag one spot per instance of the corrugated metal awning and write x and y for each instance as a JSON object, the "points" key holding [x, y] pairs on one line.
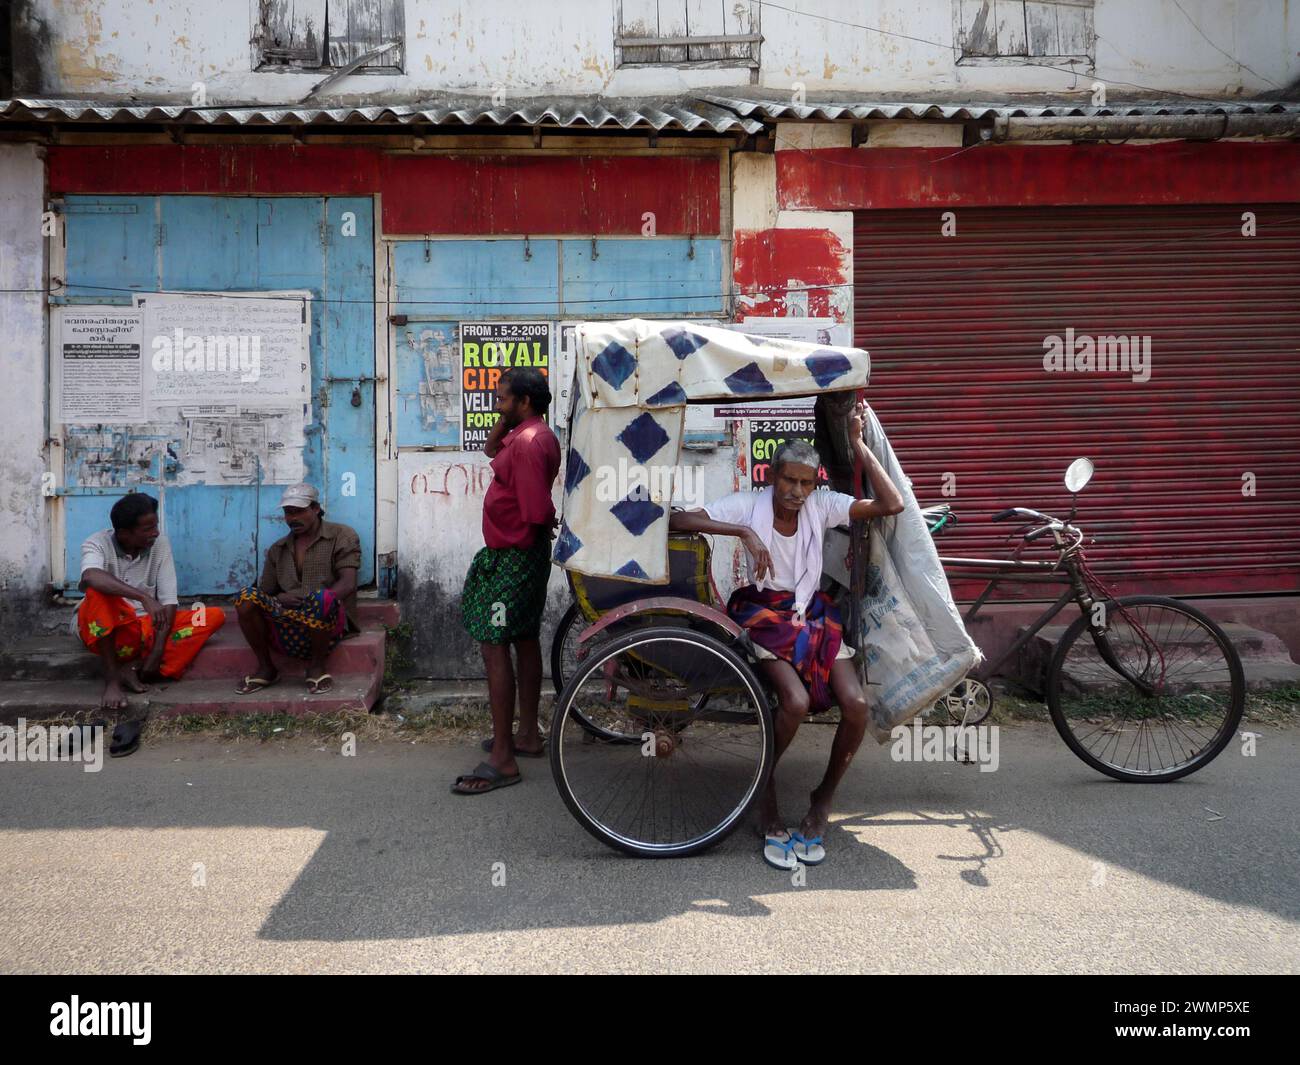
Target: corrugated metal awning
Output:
{"points": [[659, 114], [842, 108], [705, 112]]}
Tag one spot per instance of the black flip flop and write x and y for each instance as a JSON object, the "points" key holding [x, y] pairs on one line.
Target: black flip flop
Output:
{"points": [[126, 739], [486, 745], [483, 771]]}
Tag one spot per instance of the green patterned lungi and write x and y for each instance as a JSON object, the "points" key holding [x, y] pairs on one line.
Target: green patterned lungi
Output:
{"points": [[505, 592]]}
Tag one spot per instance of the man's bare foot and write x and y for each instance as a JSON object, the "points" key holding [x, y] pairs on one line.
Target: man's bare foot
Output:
{"points": [[130, 680], [528, 743], [818, 817], [508, 768], [113, 698]]}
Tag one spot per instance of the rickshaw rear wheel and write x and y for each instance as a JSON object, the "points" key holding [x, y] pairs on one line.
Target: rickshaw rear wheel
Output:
{"points": [[697, 766], [564, 647], [564, 661]]}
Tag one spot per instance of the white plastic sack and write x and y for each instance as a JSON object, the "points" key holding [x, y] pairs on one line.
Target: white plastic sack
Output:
{"points": [[915, 644]]}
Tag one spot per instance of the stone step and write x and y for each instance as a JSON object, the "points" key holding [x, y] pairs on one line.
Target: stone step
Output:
{"points": [[37, 699], [378, 612], [227, 654]]}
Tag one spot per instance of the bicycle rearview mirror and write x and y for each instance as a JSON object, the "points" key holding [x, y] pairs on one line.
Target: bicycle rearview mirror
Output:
{"points": [[1078, 475]]}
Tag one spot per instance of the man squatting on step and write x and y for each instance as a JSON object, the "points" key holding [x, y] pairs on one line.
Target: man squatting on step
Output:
{"points": [[305, 603], [132, 562]]}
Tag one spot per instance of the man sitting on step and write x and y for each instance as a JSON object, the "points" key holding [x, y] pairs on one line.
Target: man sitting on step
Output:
{"points": [[132, 563], [306, 600]]}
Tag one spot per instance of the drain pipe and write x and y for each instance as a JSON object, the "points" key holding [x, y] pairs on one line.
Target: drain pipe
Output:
{"points": [[1154, 127]]}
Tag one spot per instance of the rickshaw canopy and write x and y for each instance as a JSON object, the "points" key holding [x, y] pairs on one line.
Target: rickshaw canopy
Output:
{"points": [[634, 380]]}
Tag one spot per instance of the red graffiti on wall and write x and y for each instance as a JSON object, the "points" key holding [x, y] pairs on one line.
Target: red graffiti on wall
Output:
{"points": [[452, 479]]}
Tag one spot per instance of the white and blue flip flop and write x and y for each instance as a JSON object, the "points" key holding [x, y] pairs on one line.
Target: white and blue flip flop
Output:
{"points": [[808, 851], [777, 852]]}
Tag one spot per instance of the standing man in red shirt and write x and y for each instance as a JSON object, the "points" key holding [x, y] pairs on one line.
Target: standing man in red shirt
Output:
{"points": [[505, 590]]}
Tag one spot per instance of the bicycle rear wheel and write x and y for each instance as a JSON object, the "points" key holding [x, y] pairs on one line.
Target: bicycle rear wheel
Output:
{"points": [[1155, 696], [698, 764]]}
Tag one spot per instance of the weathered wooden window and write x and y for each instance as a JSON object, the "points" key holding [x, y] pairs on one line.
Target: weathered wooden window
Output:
{"points": [[1024, 30], [706, 33], [329, 34]]}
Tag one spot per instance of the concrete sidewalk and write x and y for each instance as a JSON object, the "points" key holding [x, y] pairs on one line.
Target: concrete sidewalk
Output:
{"points": [[196, 855]]}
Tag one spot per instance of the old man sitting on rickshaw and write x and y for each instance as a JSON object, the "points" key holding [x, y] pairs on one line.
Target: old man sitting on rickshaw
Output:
{"points": [[795, 627]]}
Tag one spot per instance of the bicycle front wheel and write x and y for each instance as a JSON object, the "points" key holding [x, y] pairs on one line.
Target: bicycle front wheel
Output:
{"points": [[1152, 695], [703, 743]]}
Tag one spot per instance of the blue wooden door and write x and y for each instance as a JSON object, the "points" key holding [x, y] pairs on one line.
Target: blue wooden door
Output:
{"points": [[117, 245]]}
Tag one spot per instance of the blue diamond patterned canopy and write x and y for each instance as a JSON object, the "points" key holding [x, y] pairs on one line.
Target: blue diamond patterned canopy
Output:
{"points": [[635, 378]]}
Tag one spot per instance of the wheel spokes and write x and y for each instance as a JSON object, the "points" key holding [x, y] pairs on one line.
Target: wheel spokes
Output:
{"points": [[1168, 702]]}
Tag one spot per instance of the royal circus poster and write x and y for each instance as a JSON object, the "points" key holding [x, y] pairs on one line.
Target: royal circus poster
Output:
{"points": [[487, 350]]}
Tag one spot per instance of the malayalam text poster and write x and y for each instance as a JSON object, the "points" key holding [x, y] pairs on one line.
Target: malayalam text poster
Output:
{"points": [[100, 375]]}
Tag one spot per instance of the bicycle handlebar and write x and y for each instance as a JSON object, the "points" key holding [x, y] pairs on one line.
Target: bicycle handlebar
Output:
{"points": [[1021, 512], [1048, 524]]}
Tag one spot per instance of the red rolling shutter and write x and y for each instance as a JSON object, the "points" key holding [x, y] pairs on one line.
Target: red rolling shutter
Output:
{"points": [[956, 328]]}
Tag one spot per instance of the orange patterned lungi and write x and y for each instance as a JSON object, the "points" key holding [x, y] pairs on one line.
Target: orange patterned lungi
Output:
{"points": [[110, 617]]}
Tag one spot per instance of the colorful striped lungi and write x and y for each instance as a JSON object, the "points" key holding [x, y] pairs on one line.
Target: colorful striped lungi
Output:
{"points": [[291, 627], [768, 617]]}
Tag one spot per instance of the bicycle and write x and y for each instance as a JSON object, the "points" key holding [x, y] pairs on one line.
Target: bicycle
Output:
{"points": [[1145, 675]]}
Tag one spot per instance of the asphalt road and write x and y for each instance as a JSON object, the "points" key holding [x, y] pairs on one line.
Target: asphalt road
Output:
{"points": [[196, 855]]}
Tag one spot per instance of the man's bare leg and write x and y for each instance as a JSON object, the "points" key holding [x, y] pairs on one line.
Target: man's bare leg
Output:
{"points": [[113, 697], [501, 694], [848, 737], [256, 630], [320, 651], [792, 708], [528, 655]]}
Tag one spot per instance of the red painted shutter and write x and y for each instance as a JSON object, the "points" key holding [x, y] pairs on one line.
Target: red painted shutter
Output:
{"points": [[956, 328]]}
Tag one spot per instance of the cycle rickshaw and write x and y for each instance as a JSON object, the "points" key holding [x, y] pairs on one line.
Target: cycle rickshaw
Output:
{"points": [[662, 735]]}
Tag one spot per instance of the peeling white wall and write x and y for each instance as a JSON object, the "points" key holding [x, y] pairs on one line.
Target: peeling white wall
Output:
{"points": [[160, 48], [24, 549]]}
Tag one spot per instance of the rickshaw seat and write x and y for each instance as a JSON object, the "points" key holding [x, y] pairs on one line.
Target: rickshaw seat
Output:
{"points": [[689, 562]]}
